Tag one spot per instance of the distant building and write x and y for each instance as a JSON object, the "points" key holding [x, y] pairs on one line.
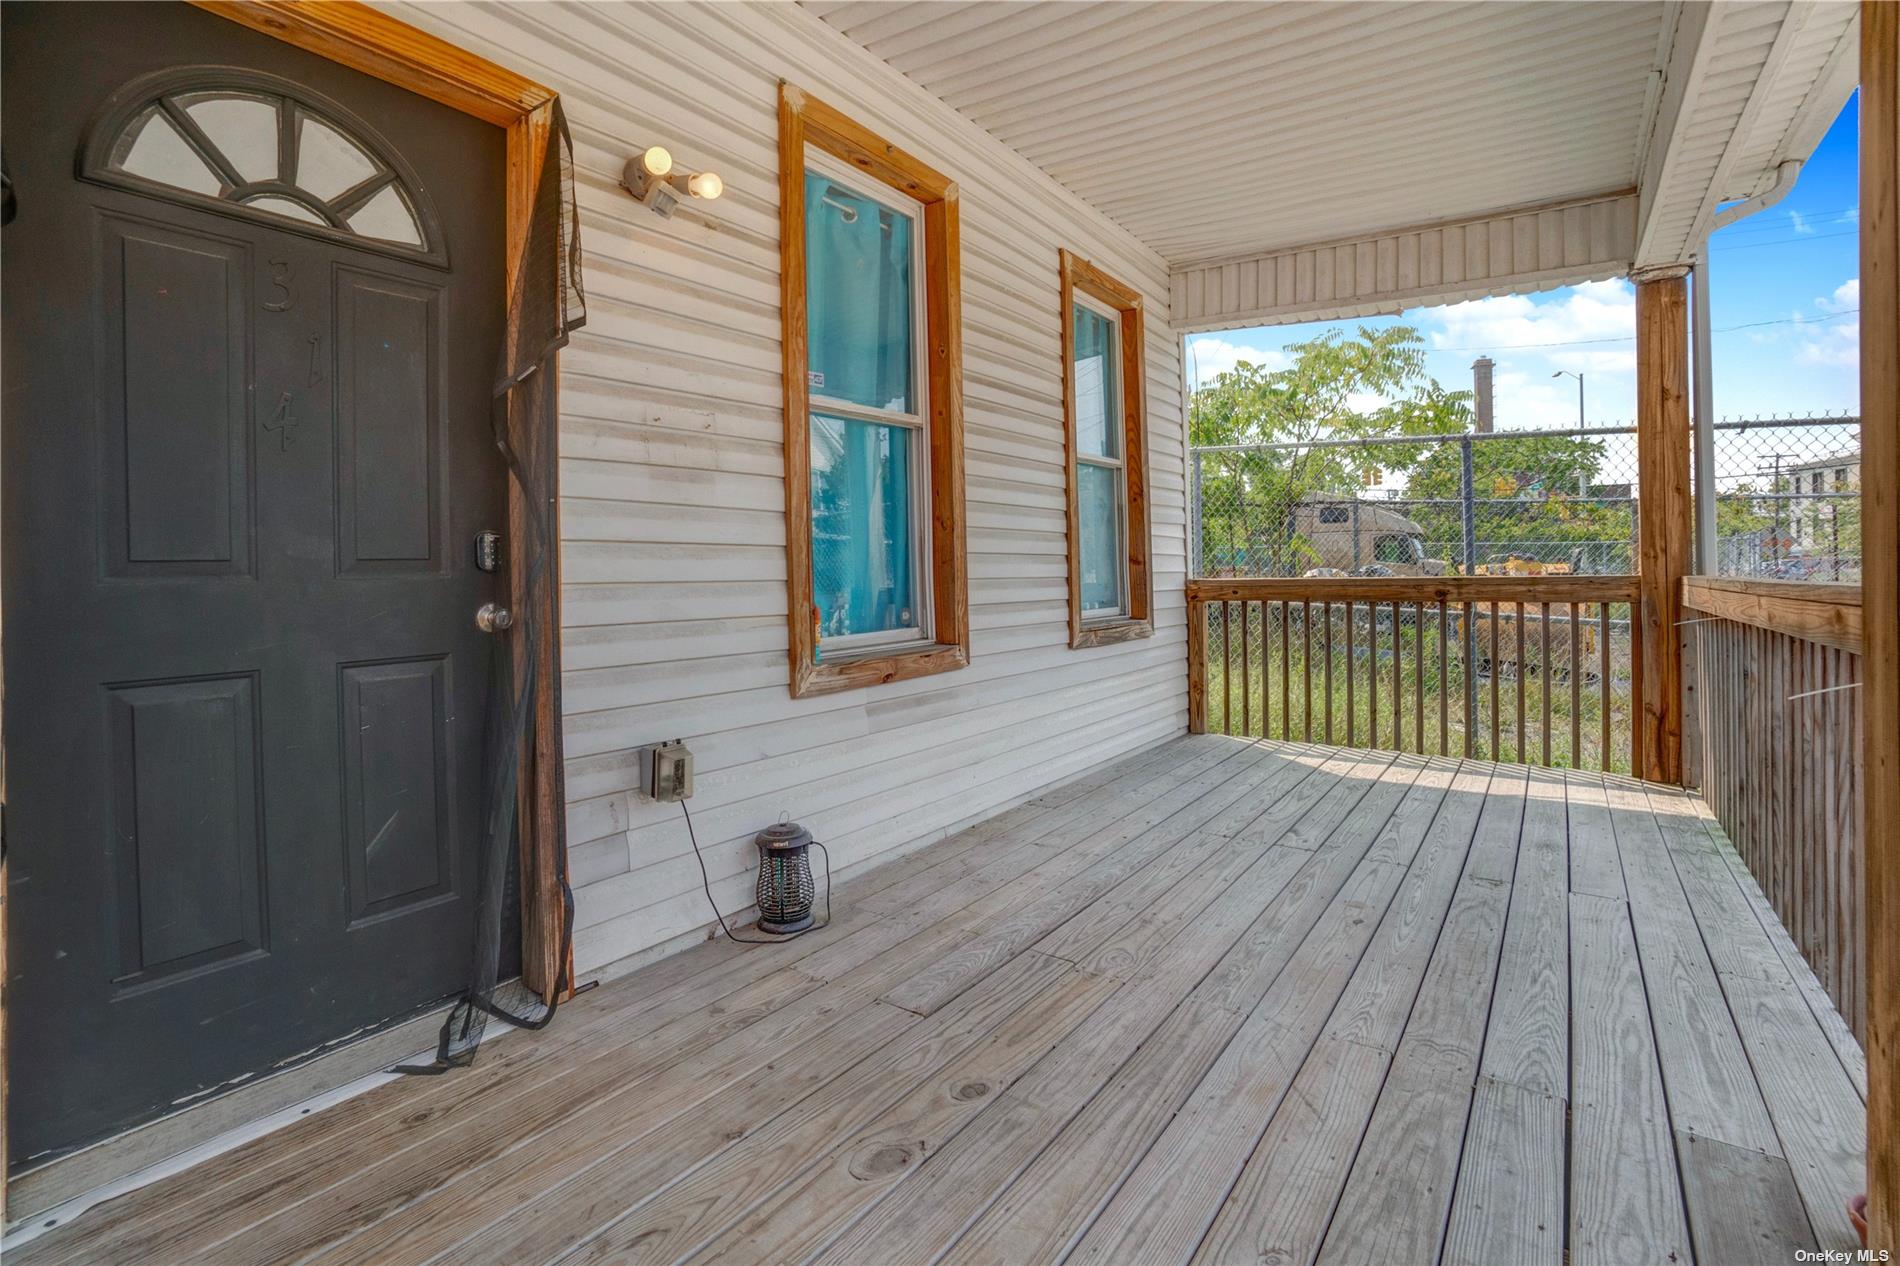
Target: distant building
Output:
{"points": [[1812, 511]]}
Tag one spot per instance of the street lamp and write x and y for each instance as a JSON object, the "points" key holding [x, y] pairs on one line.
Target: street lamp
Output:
{"points": [[1581, 489], [1579, 377]]}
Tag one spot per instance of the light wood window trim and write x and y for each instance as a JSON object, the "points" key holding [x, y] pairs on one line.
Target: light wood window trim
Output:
{"points": [[1080, 276], [802, 122]]}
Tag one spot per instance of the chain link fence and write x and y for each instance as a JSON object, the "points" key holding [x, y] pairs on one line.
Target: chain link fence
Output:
{"points": [[1788, 498], [1528, 503]]}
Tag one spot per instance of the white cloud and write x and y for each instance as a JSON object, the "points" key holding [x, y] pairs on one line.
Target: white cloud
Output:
{"points": [[1846, 297], [1209, 357], [1835, 342], [1799, 222], [1584, 330]]}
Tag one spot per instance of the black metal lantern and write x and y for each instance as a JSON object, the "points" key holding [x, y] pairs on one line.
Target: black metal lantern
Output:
{"points": [[785, 890]]}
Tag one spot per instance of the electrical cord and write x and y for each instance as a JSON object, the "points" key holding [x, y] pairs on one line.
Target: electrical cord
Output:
{"points": [[706, 881]]}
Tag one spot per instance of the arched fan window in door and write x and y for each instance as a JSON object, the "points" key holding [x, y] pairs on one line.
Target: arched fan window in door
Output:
{"points": [[255, 145]]}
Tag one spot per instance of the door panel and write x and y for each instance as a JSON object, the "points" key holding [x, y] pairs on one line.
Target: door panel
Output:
{"points": [[176, 427], [386, 335], [245, 455], [397, 795], [187, 842]]}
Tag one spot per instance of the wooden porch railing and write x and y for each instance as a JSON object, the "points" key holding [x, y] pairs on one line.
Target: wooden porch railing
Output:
{"points": [[1538, 670], [1777, 667]]}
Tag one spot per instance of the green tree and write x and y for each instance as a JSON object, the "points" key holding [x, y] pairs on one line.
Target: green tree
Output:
{"points": [[1247, 497], [1534, 499], [1737, 515]]}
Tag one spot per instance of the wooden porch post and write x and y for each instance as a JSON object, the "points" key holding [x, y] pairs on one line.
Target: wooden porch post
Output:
{"points": [[1880, 597], [1663, 525]]}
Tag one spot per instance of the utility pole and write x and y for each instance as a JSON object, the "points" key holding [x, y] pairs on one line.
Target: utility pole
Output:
{"points": [[1775, 488]]}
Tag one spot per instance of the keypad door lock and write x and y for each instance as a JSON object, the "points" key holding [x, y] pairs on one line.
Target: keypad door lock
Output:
{"points": [[488, 551]]}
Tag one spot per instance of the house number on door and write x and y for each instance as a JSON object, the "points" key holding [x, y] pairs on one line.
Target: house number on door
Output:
{"points": [[281, 275], [281, 422]]}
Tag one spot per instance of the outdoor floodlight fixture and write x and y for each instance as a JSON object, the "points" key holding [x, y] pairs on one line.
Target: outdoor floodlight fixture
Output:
{"points": [[652, 179]]}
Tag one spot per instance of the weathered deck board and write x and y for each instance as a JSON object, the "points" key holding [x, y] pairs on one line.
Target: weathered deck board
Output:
{"points": [[1222, 1002], [1407, 1164], [1619, 1120]]}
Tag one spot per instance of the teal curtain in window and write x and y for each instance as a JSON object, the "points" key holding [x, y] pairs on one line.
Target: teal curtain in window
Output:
{"points": [[860, 526], [1098, 434], [858, 297], [859, 311]]}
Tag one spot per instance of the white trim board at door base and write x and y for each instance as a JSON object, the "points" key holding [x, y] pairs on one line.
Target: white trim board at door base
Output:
{"points": [[57, 1191]]}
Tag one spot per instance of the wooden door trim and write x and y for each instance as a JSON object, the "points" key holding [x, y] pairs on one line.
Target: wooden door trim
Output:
{"points": [[355, 35]]}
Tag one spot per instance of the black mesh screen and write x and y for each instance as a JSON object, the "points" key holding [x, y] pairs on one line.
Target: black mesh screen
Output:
{"points": [[547, 303]]}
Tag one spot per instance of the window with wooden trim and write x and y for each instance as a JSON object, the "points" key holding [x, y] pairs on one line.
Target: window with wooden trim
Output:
{"points": [[873, 406], [1110, 588]]}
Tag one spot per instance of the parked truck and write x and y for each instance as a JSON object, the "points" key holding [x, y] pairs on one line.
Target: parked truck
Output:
{"points": [[1349, 534]]}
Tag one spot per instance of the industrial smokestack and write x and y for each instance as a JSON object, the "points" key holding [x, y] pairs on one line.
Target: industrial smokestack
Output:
{"points": [[1481, 392]]}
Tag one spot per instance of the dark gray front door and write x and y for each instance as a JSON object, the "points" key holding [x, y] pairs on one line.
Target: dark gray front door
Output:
{"points": [[253, 304]]}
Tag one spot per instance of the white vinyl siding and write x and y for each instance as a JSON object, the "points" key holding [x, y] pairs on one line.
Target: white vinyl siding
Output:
{"points": [[672, 468]]}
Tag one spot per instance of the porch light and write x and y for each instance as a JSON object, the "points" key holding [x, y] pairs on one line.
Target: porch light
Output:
{"points": [[652, 179]]}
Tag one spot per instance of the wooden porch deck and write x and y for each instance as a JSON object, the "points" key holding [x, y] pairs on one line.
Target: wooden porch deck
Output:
{"points": [[1222, 1002]]}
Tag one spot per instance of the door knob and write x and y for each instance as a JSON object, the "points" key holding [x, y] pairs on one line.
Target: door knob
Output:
{"points": [[494, 618]]}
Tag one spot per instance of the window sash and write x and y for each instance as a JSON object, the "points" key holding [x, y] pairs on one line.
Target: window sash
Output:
{"points": [[1115, 423], [1118, 483], [919, 493]]}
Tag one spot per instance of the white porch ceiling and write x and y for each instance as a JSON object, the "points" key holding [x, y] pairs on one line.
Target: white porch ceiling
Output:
{"points": [[1228, 130]]}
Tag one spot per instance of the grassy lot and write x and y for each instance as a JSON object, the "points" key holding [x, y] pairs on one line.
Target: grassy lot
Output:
{"points": [[1264, 700]]}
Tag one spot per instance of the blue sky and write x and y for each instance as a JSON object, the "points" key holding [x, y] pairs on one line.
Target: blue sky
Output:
{"points": [[1796, 262]]}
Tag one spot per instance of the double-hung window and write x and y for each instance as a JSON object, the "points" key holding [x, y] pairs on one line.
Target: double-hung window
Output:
{"points": [[1109, 588], [870, 457], [874, 479]]}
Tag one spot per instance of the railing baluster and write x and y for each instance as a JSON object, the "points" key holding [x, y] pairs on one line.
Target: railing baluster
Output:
{"points": [[1444, 688], [1543, 675], [1576, 690], [1372, 674], [1519, 612], [1306, 667], [1398, 679], [1327, 638], [1603, 680], [1197, 666], [1246, 665], [1467, 651], [1418, 676], [1226, 667], [1495, 742], [1286, 674], [1352, 669]]}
